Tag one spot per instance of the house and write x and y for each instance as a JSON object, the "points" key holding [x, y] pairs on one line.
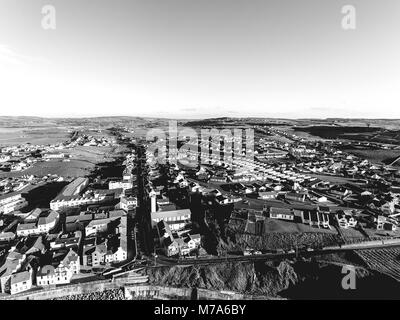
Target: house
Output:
{"points": [[12, 201], [44, 225], [117, 253], [345, 220], [340, 191], [293, 196], [21, 281], [222, 200], [281, 213], [61, 272], [71, 260], [77, 222], [7, 236], [267, 195], [188, 245], [71, 195], [176, 219], [12, 264], [26, 229], [127, 203], [182, 246], [124, 184], [171, 247], [70, 240], [166, 239], [89, 197], [93, 255], [47, 223], [388, 207], [196, 239], [50, 275], [383, 223], [97, 226]]}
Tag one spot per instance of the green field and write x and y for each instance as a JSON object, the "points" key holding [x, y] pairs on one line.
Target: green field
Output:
{"points": [[40, 136], [376, 156], [83, 162]]}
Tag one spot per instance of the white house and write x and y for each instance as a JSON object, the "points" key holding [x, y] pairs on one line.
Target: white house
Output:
{"points": [[176, 219], [127, 203], [45, 224], [281, 213], [62, 273], [26, 229], [21, 281], [120, 254], [96, 226], [11, 202]]}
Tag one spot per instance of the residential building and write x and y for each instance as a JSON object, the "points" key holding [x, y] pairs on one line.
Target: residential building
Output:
{"points": [[176, 219], [61, 272], [98, 226], [281, 213], [26, 229], [21, 281], [12, 264], [127, 203], [7, 236]]}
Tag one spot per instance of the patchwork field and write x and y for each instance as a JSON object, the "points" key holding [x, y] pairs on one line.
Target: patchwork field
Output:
{"points": [[83, 162], [376, 156], [15, 136]]}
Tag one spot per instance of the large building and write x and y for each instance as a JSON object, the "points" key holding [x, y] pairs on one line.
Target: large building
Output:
{"points": [[11, 202], [75, 187], [70, 195], [43, 225], [93, 197]]}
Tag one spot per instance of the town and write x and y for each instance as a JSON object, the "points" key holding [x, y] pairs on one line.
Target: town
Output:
{"points": [[291, 195]]}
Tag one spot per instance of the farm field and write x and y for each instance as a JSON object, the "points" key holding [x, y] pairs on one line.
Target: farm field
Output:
{"points": [[83, 162], [333, 132], [92, 154], [41, 136], [375, 156], [73, 168]]}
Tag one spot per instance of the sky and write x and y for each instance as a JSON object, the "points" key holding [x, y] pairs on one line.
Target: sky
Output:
{"points": [[200, 58]]}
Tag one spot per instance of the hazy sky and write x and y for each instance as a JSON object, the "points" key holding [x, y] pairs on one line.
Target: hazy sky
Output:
{"points": [[200, 58]]}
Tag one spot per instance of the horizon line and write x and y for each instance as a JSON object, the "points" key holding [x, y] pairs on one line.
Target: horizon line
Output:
{"points": [[202, 118]]}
